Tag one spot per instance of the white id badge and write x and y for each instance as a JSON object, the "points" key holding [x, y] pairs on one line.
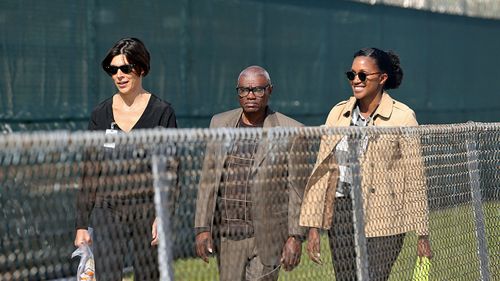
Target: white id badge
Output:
{"points": [[110, 144]]}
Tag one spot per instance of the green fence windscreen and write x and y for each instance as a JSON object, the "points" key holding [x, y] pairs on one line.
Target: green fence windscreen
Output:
{"points": [[50, 54]]}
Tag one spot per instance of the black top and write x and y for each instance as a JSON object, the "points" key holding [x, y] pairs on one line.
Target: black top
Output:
{"points": [[158, 113]]}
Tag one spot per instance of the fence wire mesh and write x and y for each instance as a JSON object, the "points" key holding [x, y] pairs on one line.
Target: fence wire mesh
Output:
{"points": [[375, 194]]}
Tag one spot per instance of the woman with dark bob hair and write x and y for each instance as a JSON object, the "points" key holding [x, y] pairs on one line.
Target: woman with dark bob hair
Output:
{"points": [[392, 179], [118, 205]]}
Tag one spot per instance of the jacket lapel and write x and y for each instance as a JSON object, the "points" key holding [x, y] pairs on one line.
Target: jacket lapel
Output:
{"points": [[330, 141], [233, 119], [265, 146], [384, 110]]}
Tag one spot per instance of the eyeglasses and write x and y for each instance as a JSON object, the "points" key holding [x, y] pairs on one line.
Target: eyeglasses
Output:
{"points": [[361, 75], [112, 69], [257, 91]]}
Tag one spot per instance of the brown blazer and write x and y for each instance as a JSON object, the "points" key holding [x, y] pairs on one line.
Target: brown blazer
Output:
{"points": [[276, 189], [392, 175]]}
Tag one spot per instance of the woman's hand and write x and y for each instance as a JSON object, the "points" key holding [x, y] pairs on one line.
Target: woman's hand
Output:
{"points": [[154, 233], [313, 246], [424, 247], [82, 237]]}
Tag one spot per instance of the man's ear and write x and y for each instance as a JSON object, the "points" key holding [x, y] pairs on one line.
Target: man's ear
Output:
{"points": [[270, 89]]}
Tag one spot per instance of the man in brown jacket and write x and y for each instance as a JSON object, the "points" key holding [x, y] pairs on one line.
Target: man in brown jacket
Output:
{"points": [[248, 203]]}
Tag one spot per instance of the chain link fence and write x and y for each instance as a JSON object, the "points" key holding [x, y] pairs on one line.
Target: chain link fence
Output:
{"points": [[373, 193], [472, 8]]}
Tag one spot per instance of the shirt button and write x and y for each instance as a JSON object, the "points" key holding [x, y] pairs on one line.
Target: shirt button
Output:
{"points": [[372, 190]]}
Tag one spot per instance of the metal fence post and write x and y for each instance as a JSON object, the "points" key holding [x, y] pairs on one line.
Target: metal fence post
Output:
{"points": [[475, 185], [357, 209], [162, 185]]}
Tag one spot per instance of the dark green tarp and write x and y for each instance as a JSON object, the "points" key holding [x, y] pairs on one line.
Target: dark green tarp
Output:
{"points": [[50, 53]]}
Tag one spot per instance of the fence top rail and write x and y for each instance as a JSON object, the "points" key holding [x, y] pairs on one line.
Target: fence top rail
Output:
{"points": [[61, 139]]}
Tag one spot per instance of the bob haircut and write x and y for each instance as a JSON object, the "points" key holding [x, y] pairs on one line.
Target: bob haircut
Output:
{"points": [[135, 52]]}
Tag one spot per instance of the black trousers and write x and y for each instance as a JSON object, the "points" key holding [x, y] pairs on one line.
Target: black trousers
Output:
{"points": [[382, 251], [123, 232]]}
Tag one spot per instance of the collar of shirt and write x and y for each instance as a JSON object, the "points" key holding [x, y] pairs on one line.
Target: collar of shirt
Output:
{"points": [[358, 120]]}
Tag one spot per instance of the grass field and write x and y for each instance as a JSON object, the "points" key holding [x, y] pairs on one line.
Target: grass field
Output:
{"points": [[453, 241]]}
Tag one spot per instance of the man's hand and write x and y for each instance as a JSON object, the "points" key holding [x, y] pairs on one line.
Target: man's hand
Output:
{"points": [[313, 245], [154, 233], [424, 247], [204, 245], [82, 237], [290, 257]]}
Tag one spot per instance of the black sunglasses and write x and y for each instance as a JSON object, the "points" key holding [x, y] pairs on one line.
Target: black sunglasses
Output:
{"points": [[112, 69], [361, 75]]}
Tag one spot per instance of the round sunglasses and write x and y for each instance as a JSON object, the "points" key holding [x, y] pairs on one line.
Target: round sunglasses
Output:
{"points": [[361, 75], [126, 68]]}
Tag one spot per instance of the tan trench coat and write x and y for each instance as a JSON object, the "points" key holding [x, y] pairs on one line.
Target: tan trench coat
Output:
{"points": [[392, 175]]}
